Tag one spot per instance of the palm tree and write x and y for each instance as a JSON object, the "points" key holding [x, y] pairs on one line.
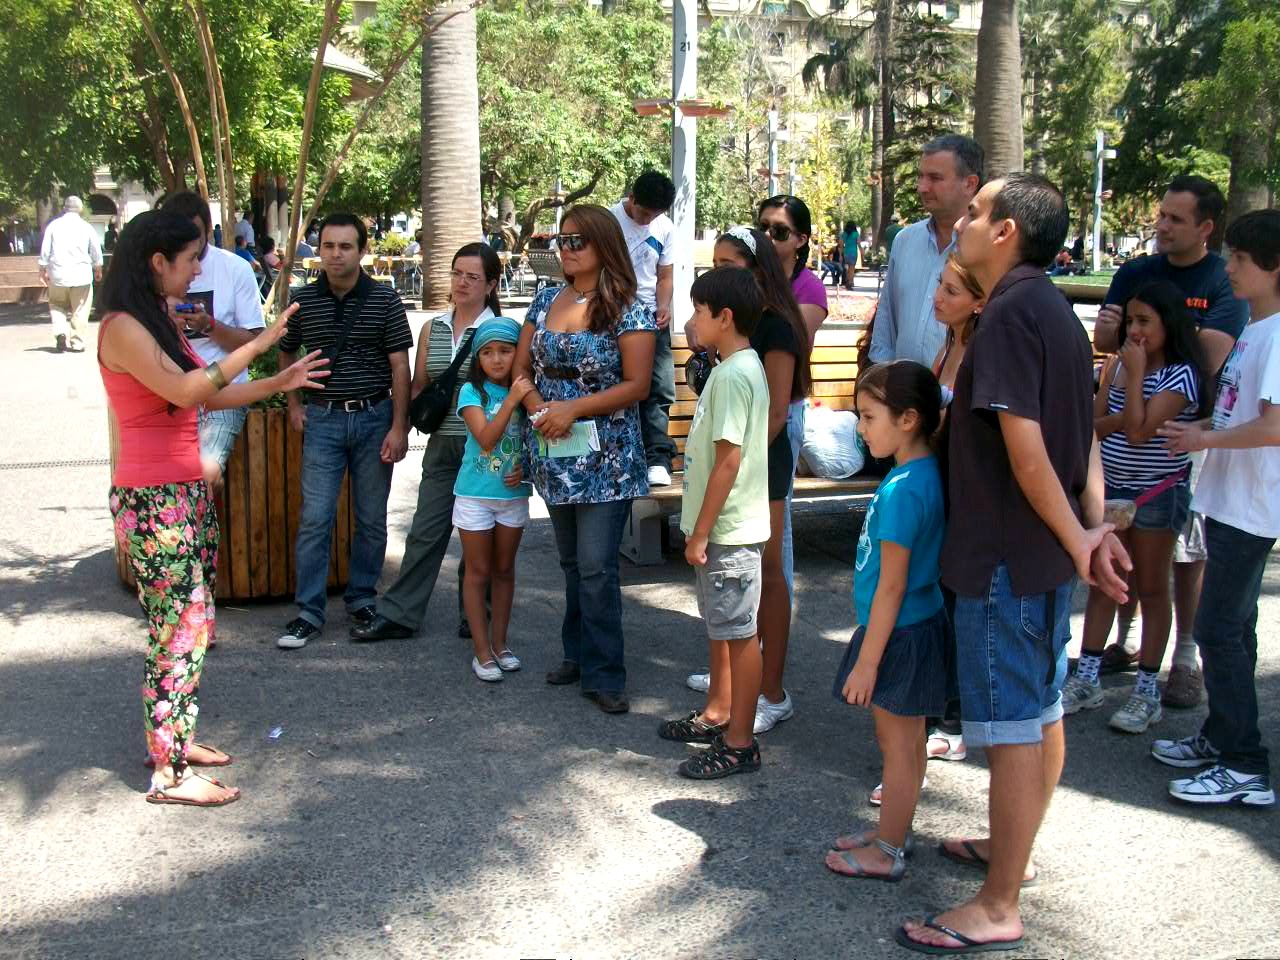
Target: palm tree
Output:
{"points": [[450, 152], [858, 67], [997, 121]]}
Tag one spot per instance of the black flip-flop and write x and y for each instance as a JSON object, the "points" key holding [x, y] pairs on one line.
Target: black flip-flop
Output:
{"points": [[969, 945], [976, 860]]}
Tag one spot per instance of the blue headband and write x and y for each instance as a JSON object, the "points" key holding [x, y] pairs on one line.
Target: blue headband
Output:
{"points": [[502, 329]]}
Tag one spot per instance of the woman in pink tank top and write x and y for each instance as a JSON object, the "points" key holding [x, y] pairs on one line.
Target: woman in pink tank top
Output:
{"points": [[164, 515]]}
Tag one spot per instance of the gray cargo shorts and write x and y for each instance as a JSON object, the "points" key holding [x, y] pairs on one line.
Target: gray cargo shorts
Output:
{"points": [[729, 590]]}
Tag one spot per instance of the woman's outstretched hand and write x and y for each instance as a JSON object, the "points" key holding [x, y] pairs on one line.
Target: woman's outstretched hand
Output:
{"points": [[304, 374]]}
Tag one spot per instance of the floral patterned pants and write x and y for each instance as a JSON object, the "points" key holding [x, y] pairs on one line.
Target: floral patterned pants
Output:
{"points": [[170, 534]]}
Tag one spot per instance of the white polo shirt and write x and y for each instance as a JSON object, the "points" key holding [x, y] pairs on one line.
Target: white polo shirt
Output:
{"points": [[650, 247], [229, 292]]}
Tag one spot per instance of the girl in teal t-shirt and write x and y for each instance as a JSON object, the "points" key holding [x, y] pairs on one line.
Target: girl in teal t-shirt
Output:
{"points": [[894, 663], [491, 499]]}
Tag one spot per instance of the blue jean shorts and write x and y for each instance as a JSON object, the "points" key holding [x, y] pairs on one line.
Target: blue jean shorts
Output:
{"points": [[1167, 511], [218, 432], [1011, 662]]}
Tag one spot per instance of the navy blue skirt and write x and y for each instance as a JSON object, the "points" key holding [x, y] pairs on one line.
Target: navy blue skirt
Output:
{"points": [[912, 679]]}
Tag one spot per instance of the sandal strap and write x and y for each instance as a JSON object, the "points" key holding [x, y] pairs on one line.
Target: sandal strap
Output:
{"points": [[718, 757], [896, 853]]}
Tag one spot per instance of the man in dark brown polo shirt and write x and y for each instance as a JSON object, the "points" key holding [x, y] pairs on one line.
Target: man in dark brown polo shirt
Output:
{"points": [[1026, 520]]}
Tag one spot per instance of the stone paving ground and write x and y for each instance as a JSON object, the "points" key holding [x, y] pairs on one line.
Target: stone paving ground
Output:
{"points": [[409, 811]]}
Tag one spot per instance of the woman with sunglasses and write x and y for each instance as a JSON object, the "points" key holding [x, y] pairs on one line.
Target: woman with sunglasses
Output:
{"points": [[786, 220], [473, 291], [588, 348]]}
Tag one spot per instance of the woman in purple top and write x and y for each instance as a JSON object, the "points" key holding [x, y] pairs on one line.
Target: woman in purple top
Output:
{"points": [[787, 222]]}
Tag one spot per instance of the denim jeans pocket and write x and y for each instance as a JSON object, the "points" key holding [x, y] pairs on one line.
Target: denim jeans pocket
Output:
{"points": [[1032, 617]]}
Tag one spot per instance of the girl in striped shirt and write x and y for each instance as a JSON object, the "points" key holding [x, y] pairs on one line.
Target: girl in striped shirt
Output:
{"points": [[1157, 376]]}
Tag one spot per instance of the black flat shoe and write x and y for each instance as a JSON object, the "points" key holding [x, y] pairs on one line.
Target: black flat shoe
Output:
{"points": [[363, 617], [464, 630], [608, 702], [567, 672], [380, 628]]}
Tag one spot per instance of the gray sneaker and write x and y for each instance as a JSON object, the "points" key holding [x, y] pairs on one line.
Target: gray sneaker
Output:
{"points": [[1218, 785], [1188, 752], [1137, 714], [1078, 695], [698, 681]]}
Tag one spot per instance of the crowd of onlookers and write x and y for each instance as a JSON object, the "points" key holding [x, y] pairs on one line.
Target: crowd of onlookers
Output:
{"points": [[1013, 469]]}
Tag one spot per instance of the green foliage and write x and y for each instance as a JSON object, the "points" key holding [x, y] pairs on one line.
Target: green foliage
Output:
{"points": [[85, 87], [932, 76], [391, 245], [822, 183], [1084, 75], [557, 83]]}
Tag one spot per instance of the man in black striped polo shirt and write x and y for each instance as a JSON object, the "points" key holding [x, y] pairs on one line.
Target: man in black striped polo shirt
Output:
{"points": [[358, 423]]}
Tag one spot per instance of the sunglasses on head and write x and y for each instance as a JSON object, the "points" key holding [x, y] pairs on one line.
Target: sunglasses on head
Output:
{"points": [[779, 231], [571, 241]]}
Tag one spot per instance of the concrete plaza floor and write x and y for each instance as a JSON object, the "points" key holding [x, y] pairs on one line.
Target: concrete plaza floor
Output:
{"points": [[407, 810]]}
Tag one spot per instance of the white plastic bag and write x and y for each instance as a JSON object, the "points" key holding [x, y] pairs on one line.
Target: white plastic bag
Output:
{"points": [[831, 446]]}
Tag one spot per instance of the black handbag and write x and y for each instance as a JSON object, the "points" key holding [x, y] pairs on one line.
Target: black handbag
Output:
{"points": [[431, 406]]}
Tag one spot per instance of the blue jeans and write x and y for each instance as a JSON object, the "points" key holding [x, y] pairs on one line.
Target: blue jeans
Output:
{"points": [[588, 536], [1226, 632], [1011, 662], [334, 443], [795, 433], [655, 409]]}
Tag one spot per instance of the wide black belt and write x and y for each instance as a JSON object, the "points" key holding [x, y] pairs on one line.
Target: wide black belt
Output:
{"points": [[350, 406]]}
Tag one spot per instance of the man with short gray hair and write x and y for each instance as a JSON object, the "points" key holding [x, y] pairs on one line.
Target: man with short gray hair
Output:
{"points": [[905, 328], [70, 261]]}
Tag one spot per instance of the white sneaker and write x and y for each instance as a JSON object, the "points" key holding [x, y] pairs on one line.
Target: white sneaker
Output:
{"points": [[488, 671], [1219, 785], [1137, 714], [698, 681], [769, 714], [659, 476], [1077, 694], [1193, 751]]}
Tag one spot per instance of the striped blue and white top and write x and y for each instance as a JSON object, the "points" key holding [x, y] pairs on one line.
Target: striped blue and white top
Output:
{"points": [[1143, 465]]}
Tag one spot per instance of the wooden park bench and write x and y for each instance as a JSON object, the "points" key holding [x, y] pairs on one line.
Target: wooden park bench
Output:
{"points": [[833, 366]]}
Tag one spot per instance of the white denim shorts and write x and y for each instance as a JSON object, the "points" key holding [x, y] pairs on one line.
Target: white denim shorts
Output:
{"points": [[476, 515]]}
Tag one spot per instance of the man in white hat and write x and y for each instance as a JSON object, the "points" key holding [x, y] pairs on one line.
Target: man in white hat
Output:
{"points": [[70, 262]]}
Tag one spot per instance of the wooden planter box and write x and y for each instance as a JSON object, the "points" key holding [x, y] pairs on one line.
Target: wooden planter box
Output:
{"points": [[258, 512]]}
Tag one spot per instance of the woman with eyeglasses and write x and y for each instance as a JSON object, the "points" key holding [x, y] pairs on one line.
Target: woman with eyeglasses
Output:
{"points": [[588, 348], [473, 291]]}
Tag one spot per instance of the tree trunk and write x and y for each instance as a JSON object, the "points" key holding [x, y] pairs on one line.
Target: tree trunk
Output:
{"points": [[877, 171], [1248, 191], [1039, 165], [450, 151], [188, 118], [997, 121], [884, 54]]}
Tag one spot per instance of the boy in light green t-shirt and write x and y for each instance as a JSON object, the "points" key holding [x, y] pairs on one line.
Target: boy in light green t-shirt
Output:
{"points": [[724, 516]]}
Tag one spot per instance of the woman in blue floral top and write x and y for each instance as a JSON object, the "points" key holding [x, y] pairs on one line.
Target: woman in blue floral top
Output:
{"points": [[588, 348]]}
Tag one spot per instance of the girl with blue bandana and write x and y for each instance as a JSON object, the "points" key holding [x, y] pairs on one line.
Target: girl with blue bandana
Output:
{"points": [[491, 499]]}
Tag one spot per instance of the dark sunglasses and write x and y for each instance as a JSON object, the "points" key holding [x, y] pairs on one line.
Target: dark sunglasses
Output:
{"points": [[779, 231], [571, 241]]}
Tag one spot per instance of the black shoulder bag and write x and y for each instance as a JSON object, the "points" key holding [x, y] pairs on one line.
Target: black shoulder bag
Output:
{"points": [[431, 406]]}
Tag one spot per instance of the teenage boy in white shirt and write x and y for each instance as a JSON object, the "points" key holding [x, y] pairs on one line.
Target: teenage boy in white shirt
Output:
{"points": [[650, 238], [227, 314], [1236, 494]]}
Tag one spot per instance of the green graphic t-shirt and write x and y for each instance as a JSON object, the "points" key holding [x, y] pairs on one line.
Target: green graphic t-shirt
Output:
{"points": [[734, 406]]}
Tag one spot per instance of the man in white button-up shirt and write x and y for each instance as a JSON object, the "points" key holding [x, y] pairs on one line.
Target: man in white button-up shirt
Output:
{"points": [[70, 261], [905, 328]]}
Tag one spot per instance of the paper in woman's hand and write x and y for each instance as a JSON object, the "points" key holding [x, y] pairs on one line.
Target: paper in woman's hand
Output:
{"points": [[580, 441]]}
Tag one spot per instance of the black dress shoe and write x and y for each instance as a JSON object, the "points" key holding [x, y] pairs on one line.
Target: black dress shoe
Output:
{"points": [[464, 629], [567, 672], [380, 628], [608, 702], [363, 617]]}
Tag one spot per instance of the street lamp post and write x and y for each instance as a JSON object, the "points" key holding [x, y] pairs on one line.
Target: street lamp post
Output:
{"points": [[684, 136], [1100, 154]]}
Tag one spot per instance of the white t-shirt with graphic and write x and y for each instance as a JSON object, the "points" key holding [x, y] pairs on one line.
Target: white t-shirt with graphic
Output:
{"points": [[229, 292], [1238, 487], [650, 247]]}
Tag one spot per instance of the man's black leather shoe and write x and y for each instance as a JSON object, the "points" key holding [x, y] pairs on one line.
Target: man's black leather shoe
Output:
{"points": [[608, 702], [380, 628], [567, 672]]}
